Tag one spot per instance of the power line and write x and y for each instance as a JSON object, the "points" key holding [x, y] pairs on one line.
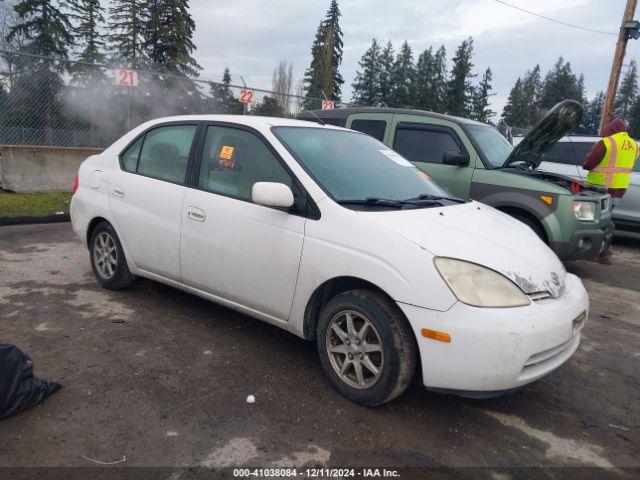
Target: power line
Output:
{"points": [[555, 20]]}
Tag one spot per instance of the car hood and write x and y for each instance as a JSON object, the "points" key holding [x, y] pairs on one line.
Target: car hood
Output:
{"points": [[558, 121], [480, 234]]}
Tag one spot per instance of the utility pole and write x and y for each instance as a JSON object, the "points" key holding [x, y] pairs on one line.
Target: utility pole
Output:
{"points": [[628, 28]]}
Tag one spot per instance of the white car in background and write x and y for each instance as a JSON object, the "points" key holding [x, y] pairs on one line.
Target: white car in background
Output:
{"points": [[566, 158], [327, 233]]}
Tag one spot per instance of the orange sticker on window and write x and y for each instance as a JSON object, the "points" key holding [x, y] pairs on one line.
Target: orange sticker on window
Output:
{"points": [[226, 152]]}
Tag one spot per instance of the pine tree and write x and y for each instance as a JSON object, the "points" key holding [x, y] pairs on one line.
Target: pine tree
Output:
{"points": [[561, 83], [89, 18], [440, 82], [481, 109], [323, 76], [460, 91], [590, 122], [627, 93], [126, 21], [423, 91], [269, 107], [515, 112], [387, 59], [634, 119], [222, 98], [403, 78], [366, 87], [168, 40], [44, 31]]}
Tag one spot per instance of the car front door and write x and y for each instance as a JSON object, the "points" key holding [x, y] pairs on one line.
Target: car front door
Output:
{"points": [[426, 146], [146, 197], [241, 252]]}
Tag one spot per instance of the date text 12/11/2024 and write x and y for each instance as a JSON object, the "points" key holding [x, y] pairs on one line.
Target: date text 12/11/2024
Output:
{"points": [[316, 472]]}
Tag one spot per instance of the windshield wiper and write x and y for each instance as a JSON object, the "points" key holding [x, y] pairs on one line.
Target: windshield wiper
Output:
{"points": [[383, 202], [435, 198]]}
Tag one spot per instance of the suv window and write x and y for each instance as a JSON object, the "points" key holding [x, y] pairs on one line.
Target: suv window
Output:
{"points": [[165, 152], [561, 152], [375, 128], [425, 144], [234, 159]]}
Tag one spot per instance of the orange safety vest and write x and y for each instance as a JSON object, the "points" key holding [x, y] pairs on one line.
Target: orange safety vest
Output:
{"points": [[614, 170]]}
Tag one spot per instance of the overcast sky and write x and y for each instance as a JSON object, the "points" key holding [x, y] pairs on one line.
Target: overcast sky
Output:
{"points": [[251, 36]]}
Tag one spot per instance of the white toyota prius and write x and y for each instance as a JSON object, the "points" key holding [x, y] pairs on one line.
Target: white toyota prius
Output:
{"points": [[327, 233]]}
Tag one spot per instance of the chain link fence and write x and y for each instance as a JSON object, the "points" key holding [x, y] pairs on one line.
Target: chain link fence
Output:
{"points": [[89, 106]]}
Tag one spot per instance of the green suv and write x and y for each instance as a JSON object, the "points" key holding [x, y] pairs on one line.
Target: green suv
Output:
{"points": [[473, 160]]}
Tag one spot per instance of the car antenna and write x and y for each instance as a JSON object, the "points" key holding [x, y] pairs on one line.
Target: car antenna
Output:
{"points": [[320, 121]]}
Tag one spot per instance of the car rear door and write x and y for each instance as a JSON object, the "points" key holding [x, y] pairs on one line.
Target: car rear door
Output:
{"points": [[376, 125], [241, 252], [147, 193], [424, 141]]}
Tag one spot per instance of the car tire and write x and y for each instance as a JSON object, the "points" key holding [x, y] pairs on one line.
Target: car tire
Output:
{"points": [[532, 224], [108, 262], [387, 344]]}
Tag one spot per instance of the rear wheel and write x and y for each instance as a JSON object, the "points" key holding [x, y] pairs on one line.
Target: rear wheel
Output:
{"points": [[107, 258], [366, 347]]}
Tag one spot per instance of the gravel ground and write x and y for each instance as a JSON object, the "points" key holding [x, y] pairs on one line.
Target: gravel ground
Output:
{"points": [[160, 377]]}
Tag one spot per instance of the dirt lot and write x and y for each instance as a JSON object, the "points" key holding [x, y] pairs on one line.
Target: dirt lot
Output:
{"points": [[161, 377]]}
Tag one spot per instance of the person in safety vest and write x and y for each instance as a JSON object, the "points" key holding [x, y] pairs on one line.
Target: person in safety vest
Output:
{"points": [[610, 163]]}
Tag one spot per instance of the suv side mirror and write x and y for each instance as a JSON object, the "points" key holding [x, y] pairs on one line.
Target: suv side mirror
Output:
{"points": [[455, 158], [272, 194]]}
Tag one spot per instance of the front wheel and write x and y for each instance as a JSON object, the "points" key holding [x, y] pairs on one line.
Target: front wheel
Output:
{"points": [[366, 347]]}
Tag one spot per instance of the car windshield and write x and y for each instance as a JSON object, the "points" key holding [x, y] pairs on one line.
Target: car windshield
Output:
{"points": [[494, 145], [351, 166]]}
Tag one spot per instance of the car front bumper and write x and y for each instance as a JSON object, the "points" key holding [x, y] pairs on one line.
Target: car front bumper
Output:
{"points": [[585, 244], [497, 349]]}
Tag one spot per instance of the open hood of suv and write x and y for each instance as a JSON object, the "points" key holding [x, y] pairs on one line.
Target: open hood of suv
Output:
{"points": [[560, 120]]}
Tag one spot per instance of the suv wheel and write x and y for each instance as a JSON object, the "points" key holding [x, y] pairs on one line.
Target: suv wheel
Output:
{"points": [[366, 347], [107, 258], [532, 224]]}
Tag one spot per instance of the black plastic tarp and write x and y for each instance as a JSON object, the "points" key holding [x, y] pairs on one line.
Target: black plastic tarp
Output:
{"points": [[19, 389]]}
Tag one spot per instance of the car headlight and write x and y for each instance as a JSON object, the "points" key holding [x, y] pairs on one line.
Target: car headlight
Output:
{"points": [[585, 211], [479, 286]]}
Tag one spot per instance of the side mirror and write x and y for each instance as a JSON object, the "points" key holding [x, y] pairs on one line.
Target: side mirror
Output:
{"points": [[455, 158], [271, 194]]}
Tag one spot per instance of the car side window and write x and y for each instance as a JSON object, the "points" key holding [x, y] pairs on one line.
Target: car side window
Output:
{"points": [[561, 152], [374, 128], [165, 152], [131, 154], [425, 145], [581, 150], [234, 159]]}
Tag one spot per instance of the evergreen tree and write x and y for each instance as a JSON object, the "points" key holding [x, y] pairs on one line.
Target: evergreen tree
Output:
{"points": [[387, 59], [323, 76], [460, 90], [532, 90], [440, 82], [481, 109], [366, 87], [634, 120], [560, 84], [44, 31], [515, 112], [222, 98], [89, 18], [590, 122], [403, 78], [627, 93], [126, 23], [424, 94], [269, 107]]}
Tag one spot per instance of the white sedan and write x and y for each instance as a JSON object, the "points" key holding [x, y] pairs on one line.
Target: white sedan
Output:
{"points": [[327, 233]]}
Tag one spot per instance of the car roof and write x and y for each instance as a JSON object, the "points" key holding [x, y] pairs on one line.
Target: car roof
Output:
{"points": [[248, 120], [343, 113]]}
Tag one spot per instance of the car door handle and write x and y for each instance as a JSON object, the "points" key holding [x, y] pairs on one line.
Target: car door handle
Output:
{"points": [[196, 214], [117, 191]]}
